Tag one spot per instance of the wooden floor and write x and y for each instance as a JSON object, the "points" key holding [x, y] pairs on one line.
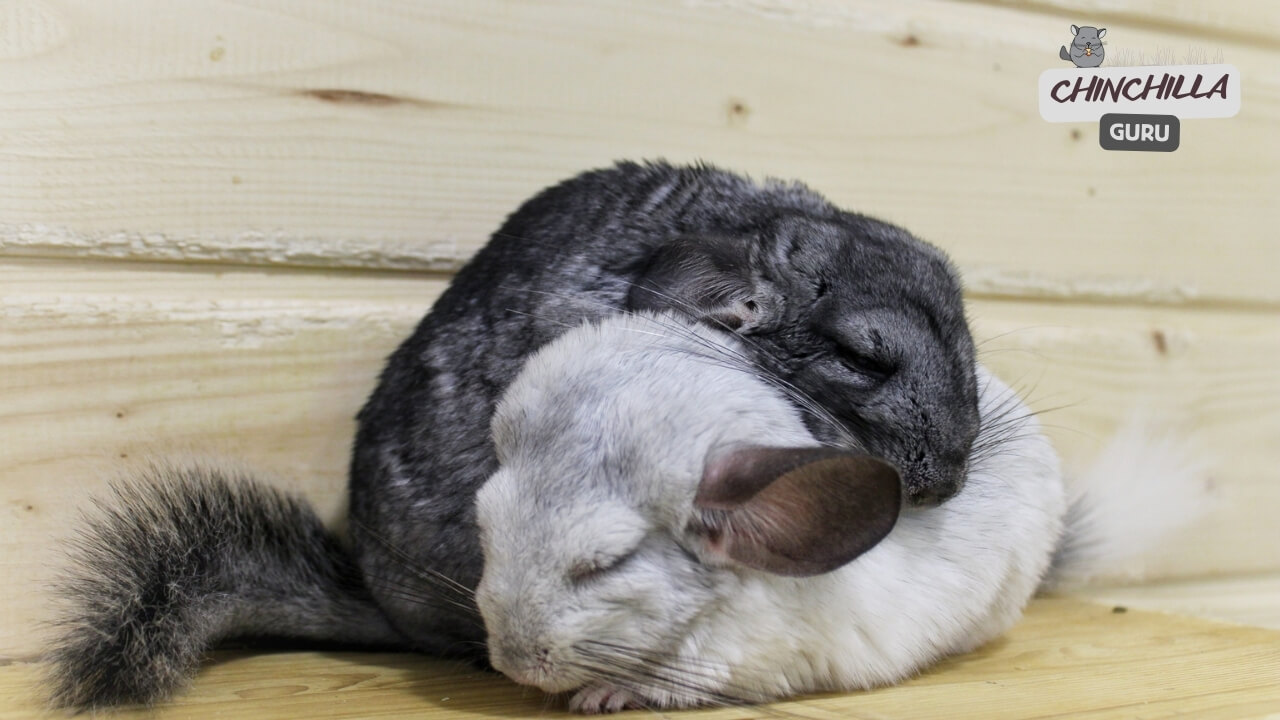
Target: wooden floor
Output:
{"points": [[1068, 658]]}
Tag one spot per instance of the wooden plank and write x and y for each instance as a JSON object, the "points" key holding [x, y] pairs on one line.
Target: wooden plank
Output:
{"points": [[104, 365], [1246, 21], [1252, 600], [1209, 376], [99, 370], [372, 134], [1067, 658]]}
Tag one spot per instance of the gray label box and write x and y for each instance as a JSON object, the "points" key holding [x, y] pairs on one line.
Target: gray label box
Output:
{"points": [[1147, 133]]}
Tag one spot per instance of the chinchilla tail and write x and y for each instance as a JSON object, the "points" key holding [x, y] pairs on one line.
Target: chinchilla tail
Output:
{"points": [[1145, 486], [1062, 53], [180, 558]]}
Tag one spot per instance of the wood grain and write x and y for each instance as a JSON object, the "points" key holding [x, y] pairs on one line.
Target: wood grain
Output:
{"points": [[1067, 658], [1251, 21], [101, 370], [377, 134], [103, 365], [1208, 376], [1252, 600]]}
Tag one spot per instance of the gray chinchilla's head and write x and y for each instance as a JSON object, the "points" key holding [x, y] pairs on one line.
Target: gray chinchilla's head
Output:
{"points": [[861, 320]]}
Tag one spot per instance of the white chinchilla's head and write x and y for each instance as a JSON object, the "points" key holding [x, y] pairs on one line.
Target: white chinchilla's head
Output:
{"points": [[566, 588]]}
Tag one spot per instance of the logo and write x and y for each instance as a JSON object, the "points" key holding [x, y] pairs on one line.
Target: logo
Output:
{"points": [[1149, 133], [1187, 91], [1086, 49], [1140, 106]]}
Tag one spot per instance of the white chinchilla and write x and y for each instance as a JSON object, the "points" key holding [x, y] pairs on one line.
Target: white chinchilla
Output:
{"points": [[664, 531]]}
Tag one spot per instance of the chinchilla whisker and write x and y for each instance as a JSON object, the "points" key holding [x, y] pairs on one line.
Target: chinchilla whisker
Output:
{"points": [[983, 353], [1004, 426], [1015, 331], [434, 576], [649, 655], [1029, 394], [1037, 412], [543, 318], [546, 703], [417, 598], [688, 308], [662, 323], [994, 428], [642, 681], [742, 362], [802, 400], [673, 682], [393, 581], [415, 595], [744, 365], [738, 360], [991, 436], [408, 562], [1067, 428], [541, 242], [799, 396], [442, 593], [694, 311], [574, 299], [685, 674], [635, 660]]}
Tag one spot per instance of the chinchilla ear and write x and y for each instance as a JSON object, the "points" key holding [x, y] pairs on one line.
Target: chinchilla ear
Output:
{"points": [[1075, 30], [795, 511], [706, 277], [1102, 33]]}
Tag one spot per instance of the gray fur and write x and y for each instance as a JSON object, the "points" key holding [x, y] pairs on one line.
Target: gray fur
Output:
{"points": [[182, 558], [1087, 49], [864, 319]]}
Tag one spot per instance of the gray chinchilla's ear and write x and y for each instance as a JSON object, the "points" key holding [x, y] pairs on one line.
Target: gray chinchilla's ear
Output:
{"points": [[1102, 33], [705, 277], [1075, 30], [795, 511]]}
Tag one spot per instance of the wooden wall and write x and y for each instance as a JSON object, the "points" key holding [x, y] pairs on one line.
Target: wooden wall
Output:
{"points": [[217, 218]]}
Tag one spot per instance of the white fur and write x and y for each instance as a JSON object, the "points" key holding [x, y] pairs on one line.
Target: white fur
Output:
{"points": [[1146, 483], [945, 580], [603, 439]]}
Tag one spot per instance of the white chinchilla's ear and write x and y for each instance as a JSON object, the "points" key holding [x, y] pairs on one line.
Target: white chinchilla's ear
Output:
{"points": [[795, 511], [1102, 33], [1075, 30]]}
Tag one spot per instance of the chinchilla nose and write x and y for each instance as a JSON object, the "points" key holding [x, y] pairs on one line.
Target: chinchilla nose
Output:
{"points": [[516, 661], [928, 487], [931, 496]]}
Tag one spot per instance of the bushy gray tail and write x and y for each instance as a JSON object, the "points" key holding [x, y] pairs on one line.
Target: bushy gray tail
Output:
{"points": [[183, 558], [1062, 53]]}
